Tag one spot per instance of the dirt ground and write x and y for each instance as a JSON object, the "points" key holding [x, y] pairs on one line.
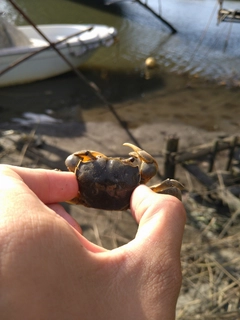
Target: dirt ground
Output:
{"points": [[197, 112]]}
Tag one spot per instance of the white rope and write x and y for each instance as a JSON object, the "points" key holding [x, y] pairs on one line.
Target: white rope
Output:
{"points": [[228, 36], [204, 32], [159, 7]]}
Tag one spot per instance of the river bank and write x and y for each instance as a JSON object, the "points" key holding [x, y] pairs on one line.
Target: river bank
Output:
{"points": [[195, 110], [43, 122]]}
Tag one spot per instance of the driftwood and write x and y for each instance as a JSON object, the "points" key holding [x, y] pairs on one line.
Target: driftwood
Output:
{"points": [[206, 149], [219, 190], [201, 176], [213, 181]]}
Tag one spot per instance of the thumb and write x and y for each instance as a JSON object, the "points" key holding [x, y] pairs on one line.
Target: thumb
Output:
{"points": [[161, 219], [155, 251]]}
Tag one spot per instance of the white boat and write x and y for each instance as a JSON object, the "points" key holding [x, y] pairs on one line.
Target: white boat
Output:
{"points": [[47, 63]]}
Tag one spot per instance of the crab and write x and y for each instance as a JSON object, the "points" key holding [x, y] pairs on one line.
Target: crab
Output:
{"points": [[107, 182]]}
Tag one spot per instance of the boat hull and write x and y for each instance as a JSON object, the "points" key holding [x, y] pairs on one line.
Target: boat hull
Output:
{"points": [[48, 63]]}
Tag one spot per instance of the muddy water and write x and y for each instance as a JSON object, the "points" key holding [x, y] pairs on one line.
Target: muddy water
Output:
{"points": [[200, 47]]}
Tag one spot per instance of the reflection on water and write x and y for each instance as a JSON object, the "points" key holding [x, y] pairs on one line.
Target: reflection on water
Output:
{"points": [[200, 46], [67, 97]]}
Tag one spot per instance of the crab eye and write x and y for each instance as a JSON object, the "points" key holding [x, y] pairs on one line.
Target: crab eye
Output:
{"points": [[132, 161]]}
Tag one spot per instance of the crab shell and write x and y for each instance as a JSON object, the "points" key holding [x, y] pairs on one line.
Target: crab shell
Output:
{"points": [[106, 182]]}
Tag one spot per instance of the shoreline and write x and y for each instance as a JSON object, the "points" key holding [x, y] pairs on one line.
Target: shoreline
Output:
{"points": [[180, 99]]}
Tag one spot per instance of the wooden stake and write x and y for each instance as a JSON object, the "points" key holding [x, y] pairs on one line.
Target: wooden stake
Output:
{"points": [[213, 156], [169, 163], [231, 153]]}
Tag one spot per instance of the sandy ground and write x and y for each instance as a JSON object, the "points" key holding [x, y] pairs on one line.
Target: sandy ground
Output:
{"points": [[194, 110]]}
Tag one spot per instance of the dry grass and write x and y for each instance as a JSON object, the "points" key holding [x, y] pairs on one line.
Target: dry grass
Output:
{"points": [[210, 250], [210, 262], [211, 284]]}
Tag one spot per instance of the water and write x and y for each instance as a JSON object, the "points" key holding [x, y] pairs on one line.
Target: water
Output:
{"points": [[199, 47]]}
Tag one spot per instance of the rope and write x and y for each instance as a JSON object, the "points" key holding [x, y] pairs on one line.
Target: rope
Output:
{"points": [[228, 36], [159, 7], [204, 32]]}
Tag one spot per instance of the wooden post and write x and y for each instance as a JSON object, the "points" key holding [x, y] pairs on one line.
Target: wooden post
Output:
{"points": [[231, 153], [169, 163], [213, 156]]}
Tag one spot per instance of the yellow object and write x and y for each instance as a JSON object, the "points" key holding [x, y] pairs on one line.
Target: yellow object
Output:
{"points": [[150, 62]]}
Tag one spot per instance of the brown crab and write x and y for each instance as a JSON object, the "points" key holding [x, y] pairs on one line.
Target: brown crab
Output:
{"points": [[107, 183]]}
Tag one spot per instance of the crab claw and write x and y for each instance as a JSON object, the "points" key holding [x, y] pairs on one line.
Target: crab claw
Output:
{"points": [[146, 157], [74, 159], [148, 166], [72, 162]]}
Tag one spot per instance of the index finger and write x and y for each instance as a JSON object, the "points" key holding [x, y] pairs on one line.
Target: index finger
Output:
{"points": [[50, 186]]}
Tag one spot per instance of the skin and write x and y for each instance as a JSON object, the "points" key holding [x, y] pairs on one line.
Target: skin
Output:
{"points": [[48, 270]]}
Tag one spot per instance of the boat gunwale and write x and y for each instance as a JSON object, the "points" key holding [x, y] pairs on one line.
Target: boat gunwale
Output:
{"points": [[70, 43]]}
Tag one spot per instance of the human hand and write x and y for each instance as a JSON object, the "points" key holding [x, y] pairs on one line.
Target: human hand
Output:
{"points": [[48, 270]]}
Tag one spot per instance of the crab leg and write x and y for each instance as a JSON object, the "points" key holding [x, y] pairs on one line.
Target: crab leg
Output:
{"points": [[146, 157], [169, 186], [147, 164]]}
